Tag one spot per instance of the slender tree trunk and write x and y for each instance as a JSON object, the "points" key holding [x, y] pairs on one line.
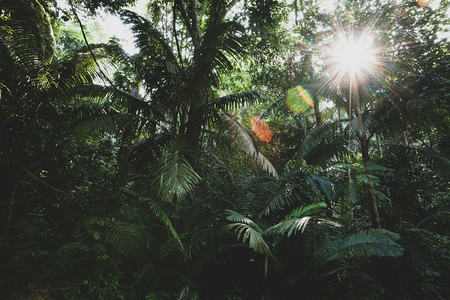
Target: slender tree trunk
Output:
{"points": [[317, 113], [123, 155], [364, 144]]}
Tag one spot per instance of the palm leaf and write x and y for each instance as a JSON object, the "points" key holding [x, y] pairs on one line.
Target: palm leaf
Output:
{"points": [[220, 42], [242, 138], [30, 34], [102, 93], [126, 238], [176, 177], [282, 191], [237, 217], [322, 143], [297, 220], [247, 230], [148, 39], [428, 157], [91, 117], [374, 242], [321, 184], [234, 101], [159, 213]]}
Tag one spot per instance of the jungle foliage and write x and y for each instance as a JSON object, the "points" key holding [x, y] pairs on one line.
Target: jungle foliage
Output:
{"points": [[140, 176]]}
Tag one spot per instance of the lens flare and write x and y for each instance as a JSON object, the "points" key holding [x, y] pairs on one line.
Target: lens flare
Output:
{"points": [[261, 129], [424, 3], [298, 99], [352, 56]]}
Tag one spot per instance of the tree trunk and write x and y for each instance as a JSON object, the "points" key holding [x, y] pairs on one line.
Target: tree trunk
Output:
{"points": [[371, 201], [123, 155]]}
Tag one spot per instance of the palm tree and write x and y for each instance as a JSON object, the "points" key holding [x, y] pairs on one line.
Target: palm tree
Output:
{"points": [[180, 78]]}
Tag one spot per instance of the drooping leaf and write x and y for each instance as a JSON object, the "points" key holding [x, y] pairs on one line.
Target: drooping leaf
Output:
{"points": [[176, 177]]}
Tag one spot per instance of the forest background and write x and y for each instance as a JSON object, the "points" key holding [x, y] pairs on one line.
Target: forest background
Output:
{"points": [[243, 150]]}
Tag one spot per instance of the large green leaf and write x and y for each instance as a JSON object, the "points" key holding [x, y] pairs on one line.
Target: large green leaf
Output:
{"points": [[176, 177], [243, 139], [374, 242], [247, 230]]}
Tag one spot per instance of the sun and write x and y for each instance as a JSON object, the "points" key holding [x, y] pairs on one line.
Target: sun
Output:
{"points": [[352, 58]]}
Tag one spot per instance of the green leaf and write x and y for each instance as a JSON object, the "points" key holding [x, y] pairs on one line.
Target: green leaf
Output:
{"points": [[176, 178], [374, 242], [158, 212]]}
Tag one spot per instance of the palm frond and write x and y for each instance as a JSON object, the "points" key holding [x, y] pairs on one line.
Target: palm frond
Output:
{"points": [[368, 125], [116, 53], [78, 68], [91, 117], [176, 177], [372, 168], [220, 42], [148, 39], [234, 101], [426, 156], [290, 227], [297, 220], [305, 210], [281, 192], [242, 138], [101, 93], [321, 184], [237, 217], [30, 34], [159, 213], [374, 242], [322, 143], [126, 238], [247, 230], [437, 215]]}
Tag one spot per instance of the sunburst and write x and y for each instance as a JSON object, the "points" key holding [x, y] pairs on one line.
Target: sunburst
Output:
{"points": [[352, 58]]}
